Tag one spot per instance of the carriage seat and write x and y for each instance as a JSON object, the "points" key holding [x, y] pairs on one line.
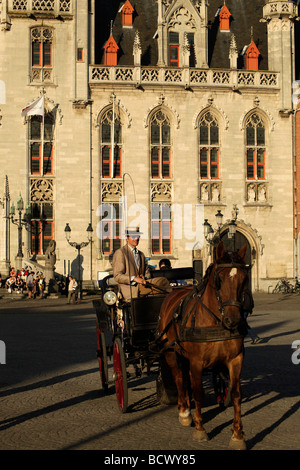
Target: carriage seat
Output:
{"points": [[175, 274]]}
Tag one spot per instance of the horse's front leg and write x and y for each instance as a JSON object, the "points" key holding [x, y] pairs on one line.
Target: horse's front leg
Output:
{"points": [[237, 440], [179, 368], [197, 387]]}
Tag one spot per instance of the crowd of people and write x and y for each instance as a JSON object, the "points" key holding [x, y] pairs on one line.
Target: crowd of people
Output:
{"points": [[34, 285], [21, 281]]}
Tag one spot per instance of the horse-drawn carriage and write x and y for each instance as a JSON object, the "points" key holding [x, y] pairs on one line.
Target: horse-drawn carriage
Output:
{"points": [[126, 332], [181, 335]]}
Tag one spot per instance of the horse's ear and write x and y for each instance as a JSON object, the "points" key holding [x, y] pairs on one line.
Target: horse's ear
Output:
{"points": [[242, 251], [220, 250]]}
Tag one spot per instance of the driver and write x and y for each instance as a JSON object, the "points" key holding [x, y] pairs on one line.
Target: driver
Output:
{"points": [[131, 271]]}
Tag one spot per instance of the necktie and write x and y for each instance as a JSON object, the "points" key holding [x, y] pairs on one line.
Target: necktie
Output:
{"points": [[136, 257]]}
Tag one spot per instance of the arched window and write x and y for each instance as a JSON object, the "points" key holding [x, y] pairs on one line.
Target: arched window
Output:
{"points": [[160, 143], [41, 145], [41, 167], [209, 147], [255, 147], [41, 54], [111, 145]]}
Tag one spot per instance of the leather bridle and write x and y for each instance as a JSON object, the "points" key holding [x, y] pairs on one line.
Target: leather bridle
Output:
{"points": [[217, 286]]}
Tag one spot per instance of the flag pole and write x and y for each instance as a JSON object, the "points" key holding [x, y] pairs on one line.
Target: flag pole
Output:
{"points": [[113, 138], [43, 130]]}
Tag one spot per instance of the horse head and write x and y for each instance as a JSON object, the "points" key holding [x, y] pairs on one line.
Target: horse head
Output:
{"points": [[229, 280]]}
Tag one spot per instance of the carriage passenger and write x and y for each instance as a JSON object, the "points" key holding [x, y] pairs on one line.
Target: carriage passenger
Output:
{"points": [[165, 263]]}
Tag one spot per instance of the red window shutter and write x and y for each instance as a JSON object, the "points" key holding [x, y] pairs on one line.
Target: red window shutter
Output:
{"points": [[48, 159], [47, 54], [127, 12], [110, 52], [224, 17], [106, 155], [252, 55], [155, 162], [117, 162], [36, 54], [35, 158]]}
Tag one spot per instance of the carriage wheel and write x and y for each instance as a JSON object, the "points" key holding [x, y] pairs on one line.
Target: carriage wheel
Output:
{"points": [[102, 358], [120, 375]]}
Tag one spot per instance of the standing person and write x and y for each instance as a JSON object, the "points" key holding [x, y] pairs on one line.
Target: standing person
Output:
{"points": [[247, 309], [41, 286], [75, 290], [72, 289], [130, 269], [30, 283]]}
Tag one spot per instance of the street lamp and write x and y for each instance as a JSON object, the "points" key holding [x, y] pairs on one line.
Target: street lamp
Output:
{"points": [[209, 233], [232, 229], [20, 222], [78, 247], [213, 237]]}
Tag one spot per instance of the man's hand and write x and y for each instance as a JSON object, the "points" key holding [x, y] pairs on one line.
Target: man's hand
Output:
{"points": [[140, 280]]}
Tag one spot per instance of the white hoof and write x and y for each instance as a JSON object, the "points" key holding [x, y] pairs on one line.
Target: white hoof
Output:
{"points": [[185, 418]]}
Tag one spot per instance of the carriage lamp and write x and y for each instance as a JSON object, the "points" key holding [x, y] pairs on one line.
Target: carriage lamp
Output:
{"points": [[110, 297]]}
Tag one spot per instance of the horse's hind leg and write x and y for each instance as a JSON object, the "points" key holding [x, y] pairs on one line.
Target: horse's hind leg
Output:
{"points": [[179, 368]]}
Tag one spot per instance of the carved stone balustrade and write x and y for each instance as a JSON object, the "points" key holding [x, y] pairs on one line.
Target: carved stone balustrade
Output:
{"points": [[186, 77]]}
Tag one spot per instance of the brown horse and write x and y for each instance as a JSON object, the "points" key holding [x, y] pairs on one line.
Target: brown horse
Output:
{"points": [[202, 329]]}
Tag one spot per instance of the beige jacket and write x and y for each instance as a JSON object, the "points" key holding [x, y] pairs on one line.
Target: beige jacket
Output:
{"points": [[124, 268]]}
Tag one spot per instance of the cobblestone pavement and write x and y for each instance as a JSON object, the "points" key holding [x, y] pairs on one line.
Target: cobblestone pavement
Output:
{"points": [[52, 399]]}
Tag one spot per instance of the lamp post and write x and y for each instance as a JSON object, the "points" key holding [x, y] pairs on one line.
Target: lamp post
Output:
{"points": [[214, 236], [78, 247], [20, 222]]}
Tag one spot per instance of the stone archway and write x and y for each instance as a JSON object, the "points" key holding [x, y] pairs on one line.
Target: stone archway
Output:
{"points": [[235, 244]]}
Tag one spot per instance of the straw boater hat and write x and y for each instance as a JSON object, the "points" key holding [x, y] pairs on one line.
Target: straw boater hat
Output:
{"points": [[135, 231]]}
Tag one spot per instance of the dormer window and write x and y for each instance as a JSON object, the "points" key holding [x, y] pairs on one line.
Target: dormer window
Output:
{"points": [[224, 17], [110, 51], [127, 11], [252, 55]]}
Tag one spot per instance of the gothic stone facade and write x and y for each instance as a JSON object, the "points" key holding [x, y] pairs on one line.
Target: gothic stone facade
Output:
{"points": [[196, 116]]}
